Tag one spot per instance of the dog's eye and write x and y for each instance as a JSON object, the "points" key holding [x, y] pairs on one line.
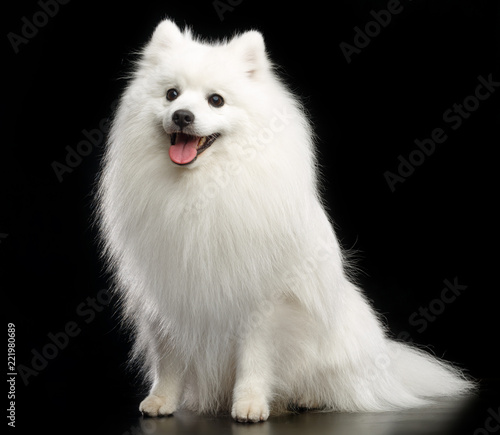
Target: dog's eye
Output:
{"points": [[215, 100], [172, 94]]}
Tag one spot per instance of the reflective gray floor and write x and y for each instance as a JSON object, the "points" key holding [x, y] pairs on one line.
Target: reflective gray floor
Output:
{"points": [[475, 416]]}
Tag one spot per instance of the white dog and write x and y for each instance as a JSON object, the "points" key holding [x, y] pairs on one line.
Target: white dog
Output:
{"points": [[228, 267]]}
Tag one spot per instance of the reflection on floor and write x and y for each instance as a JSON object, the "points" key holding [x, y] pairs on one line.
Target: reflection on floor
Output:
{"points": [[475, 416]]}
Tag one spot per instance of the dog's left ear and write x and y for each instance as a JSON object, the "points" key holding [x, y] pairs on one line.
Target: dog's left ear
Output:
{"points": [[250, 48]]}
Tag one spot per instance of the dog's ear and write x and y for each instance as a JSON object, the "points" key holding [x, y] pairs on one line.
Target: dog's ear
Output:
{"points": [[166, 35], [250, 48]]}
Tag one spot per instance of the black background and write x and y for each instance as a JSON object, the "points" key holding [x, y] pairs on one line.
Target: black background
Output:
{"points": [[438, 224]]}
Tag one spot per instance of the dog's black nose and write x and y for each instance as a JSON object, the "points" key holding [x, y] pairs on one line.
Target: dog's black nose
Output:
{"points": [[183, 118]]}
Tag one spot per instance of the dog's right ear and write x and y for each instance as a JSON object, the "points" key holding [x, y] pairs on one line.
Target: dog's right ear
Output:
{"points": [[166, 35]]}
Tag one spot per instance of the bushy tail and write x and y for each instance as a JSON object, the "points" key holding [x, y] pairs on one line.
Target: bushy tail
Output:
{"points": [[425, 376], [402, 376]]}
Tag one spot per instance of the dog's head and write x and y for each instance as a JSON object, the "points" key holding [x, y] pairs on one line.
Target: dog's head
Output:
{"points": [[202, 95]]}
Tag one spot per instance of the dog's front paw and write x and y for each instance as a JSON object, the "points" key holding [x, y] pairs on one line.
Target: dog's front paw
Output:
{"points": [[157, 406], [252, 410]]}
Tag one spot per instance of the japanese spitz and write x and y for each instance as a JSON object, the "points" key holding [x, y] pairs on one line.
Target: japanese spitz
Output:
{"points": [[225, 259]]}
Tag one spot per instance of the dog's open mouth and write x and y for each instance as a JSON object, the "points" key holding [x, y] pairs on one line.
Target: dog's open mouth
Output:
{"points": [[185, 148]]}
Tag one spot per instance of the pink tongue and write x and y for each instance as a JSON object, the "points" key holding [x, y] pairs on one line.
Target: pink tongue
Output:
{"points": [[184, 151]]}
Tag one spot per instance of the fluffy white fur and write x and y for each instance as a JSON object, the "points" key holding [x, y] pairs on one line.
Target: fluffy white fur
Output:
{"points": [[228, 268]]}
